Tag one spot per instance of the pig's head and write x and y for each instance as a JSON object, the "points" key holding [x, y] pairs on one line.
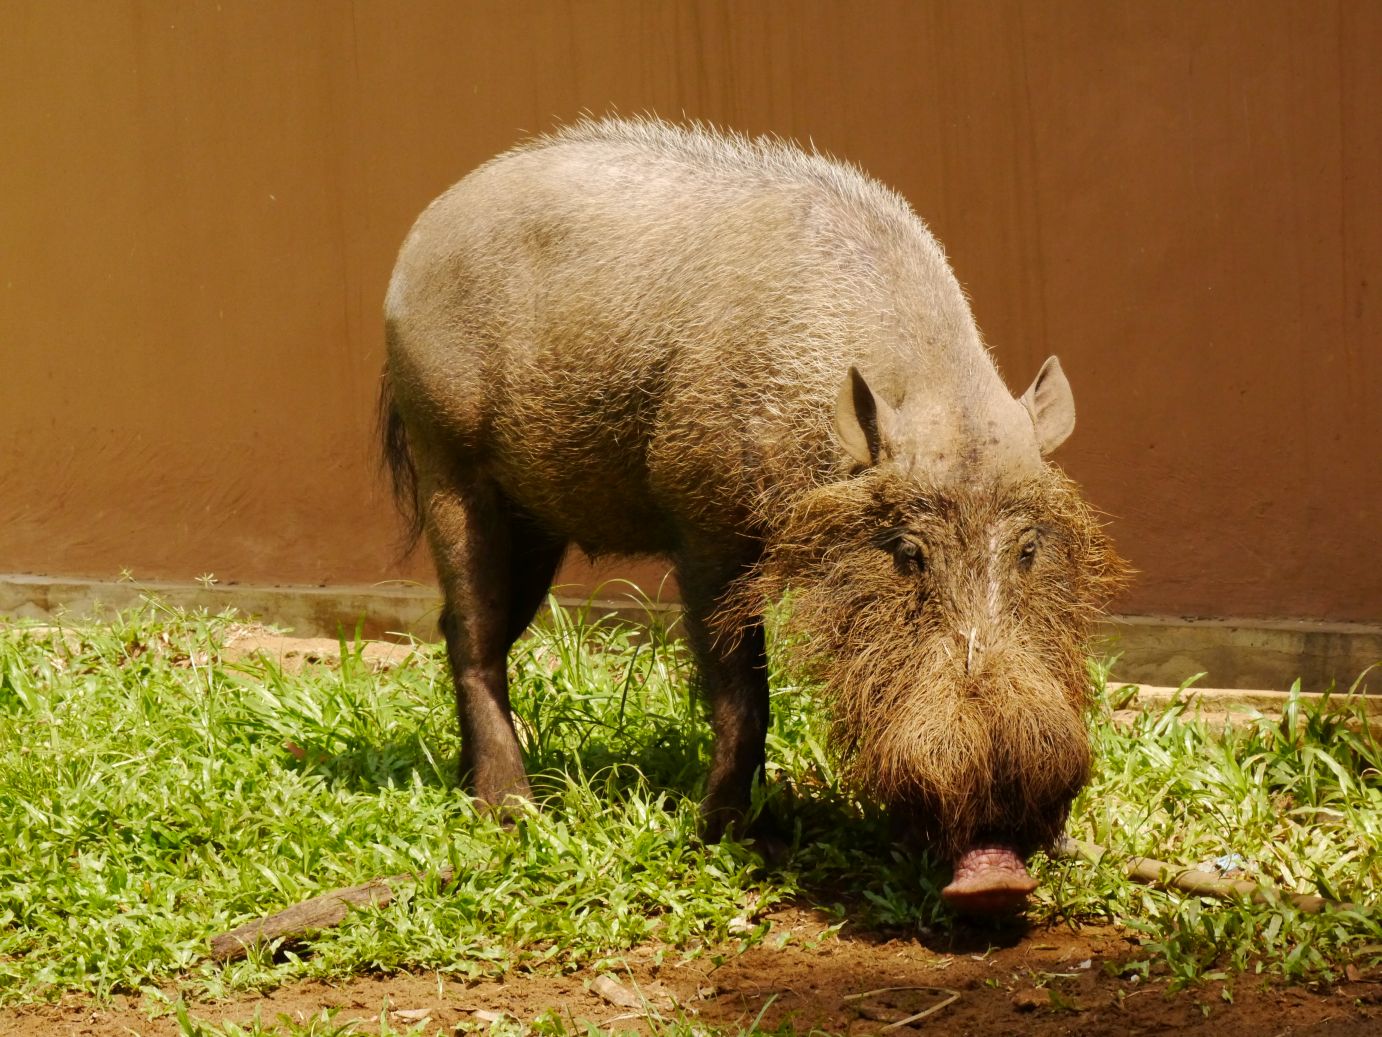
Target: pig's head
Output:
{"points": [[945, 591]]}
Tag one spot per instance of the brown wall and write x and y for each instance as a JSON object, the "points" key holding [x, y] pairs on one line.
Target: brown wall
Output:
{"points": [[200, 204]]}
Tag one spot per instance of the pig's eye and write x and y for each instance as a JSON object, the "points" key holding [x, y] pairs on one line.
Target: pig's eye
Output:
{"points": [[909, 555], [1026, 553]]}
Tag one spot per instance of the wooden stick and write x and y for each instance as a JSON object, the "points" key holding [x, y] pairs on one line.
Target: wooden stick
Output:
{"points": [[321, 912], [1194, 880]]}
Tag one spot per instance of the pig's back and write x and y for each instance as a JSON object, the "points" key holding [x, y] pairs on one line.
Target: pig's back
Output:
{"points": [[639, 330]]}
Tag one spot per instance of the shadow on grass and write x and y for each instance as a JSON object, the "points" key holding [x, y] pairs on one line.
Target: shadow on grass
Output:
{"points": [[601, 711], [842, 859]]}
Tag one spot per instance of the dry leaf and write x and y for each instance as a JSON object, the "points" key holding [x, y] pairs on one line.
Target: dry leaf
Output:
{"points": [[615, 992], [1030, 999]]}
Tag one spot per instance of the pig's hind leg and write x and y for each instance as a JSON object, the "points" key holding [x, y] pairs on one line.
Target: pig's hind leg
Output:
{"points": [[494, 568]]}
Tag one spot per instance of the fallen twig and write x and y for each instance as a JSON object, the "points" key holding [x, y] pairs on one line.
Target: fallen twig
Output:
{"points": [[321, 912], [916, 1017], [1195, 880]]}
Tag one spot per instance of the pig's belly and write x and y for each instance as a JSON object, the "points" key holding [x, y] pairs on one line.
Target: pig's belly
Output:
{"points": [[606, 503]]}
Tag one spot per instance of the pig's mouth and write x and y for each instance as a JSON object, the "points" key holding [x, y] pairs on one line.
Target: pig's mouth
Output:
{"points": [[989, 880]]}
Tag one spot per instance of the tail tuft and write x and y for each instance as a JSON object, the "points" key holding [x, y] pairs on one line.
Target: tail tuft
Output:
{"points": [[395, 455]]}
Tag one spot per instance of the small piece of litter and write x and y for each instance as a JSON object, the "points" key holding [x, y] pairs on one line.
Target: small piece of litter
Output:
{"points": [[1230, 862], [412, 1015]]}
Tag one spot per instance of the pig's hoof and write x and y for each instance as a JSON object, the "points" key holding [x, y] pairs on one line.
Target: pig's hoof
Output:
{"points": [[770, 844], [989, 880], [508, 807], [764, 835]]}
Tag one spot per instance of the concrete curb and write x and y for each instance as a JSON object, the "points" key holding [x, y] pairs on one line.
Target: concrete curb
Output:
{"points": [[1153, 650]]}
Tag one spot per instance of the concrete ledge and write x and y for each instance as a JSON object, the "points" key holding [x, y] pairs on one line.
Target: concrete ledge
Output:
{"points": [[1151, 650], [384, 609], [1242, 653]]}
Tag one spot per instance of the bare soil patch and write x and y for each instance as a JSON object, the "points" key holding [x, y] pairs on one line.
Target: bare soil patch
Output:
{"points": [[248, 641], [1042, 981]]}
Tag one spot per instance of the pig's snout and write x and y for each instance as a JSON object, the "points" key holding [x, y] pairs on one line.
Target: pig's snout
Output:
{"points": [[989, 880]]}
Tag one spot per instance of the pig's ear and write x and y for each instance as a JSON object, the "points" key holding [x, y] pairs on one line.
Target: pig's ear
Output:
{"points": [[862, 420], [1051, 405]]}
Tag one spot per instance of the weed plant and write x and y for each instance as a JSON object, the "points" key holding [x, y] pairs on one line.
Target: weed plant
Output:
{"points": [[154, 793]]}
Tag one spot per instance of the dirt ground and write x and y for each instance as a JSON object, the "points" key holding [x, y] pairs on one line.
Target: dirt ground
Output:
{"points": [[1043, 981]]}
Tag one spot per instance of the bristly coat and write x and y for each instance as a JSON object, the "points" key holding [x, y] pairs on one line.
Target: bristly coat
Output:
{"points": [[642, 338]]}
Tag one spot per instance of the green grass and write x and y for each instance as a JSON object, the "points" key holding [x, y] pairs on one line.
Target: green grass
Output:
{"points": [[1297, 799], [153, 794]]}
